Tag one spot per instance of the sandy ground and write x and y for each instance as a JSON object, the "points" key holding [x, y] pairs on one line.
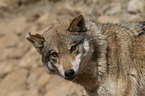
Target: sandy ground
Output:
{"points": [[21, 70]]}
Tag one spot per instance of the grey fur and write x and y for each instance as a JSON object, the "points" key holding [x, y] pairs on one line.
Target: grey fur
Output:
{"points": [[112, 56]]}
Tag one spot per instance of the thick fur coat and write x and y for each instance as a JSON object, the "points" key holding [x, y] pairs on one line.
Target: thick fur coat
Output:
{"points": [[113, 60]]}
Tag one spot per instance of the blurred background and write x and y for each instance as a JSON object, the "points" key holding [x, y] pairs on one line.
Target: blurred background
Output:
{"points": [[21, 70]]}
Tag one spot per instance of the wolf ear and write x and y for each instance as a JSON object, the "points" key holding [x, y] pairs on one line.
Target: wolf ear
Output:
{"points": [[37, 41], [77, 24]]}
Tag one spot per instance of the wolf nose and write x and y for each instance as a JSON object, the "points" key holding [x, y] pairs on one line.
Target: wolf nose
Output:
{"points": [[69, 73]]}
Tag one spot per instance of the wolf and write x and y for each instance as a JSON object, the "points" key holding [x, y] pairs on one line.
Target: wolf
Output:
{"points": [[106, 59]]}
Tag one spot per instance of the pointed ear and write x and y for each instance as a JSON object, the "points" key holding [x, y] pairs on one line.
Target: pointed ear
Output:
{"points": [[77, 24], [37, 41]]}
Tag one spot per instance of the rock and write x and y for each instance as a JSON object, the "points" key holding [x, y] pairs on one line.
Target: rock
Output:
{"points": [[135, 6], [15, 50], [16, 26], [33, 17], [5, 53], [32, 92], [44, 21], [113, 9], [20, 92], [54, 0], [108, 19], [2, 3], [69, 11], [10, 40], [21, 26], [43, 80], [13, 81], [16, 93], [16, 3], [25, 2], [34, 77], [19, 51], [31, 59], [7, 67], [8, 4]]}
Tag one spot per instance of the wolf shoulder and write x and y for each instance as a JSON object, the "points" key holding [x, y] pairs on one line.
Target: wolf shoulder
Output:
{"points": [[127, 39], [133, 32]]}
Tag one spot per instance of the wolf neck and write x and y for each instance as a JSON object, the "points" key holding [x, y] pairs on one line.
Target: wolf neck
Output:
{"points": [[96, 67]]}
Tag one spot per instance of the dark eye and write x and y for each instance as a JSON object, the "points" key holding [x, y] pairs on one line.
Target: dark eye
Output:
{"points": [[54, 54], [73, 48]]}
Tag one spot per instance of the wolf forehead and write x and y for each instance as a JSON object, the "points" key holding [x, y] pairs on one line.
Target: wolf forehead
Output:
{"points": [[58, 36]]}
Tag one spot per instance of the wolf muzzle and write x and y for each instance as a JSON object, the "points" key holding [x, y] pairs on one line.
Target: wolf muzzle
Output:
{"points": [[70, 74]]}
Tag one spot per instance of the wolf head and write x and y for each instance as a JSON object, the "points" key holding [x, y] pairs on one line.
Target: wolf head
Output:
{"points": [[65, 47]]}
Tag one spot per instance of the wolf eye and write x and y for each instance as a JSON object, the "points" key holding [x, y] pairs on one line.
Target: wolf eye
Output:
{"points": [[54, 54], [73, 48]]}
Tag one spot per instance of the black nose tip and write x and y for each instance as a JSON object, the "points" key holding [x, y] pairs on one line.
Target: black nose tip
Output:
{"points": [[69, 73]]}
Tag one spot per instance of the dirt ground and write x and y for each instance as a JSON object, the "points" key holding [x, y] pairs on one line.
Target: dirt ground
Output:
{"points": [[21, 70]]}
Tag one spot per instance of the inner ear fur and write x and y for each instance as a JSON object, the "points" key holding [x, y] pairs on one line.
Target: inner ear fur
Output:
{"points": [[77, 24], [36, 40]]}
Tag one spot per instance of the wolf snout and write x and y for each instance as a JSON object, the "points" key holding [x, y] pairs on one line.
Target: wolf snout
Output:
{"points": [[70, 74]]}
